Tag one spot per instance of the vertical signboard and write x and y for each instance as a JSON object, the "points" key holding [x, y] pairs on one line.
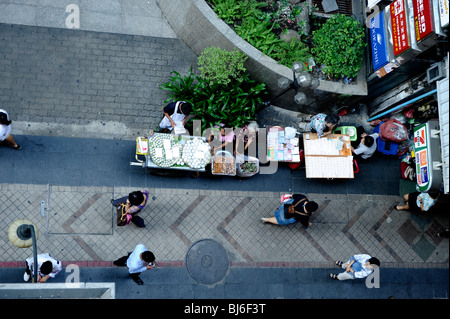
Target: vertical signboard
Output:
{"points": [[428, 157], [399, 25], [443, 12], [378, 41], [421, 154], [423, 20]]}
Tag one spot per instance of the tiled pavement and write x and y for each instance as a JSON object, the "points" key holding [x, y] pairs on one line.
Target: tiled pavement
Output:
{"points": [[78, 225]]}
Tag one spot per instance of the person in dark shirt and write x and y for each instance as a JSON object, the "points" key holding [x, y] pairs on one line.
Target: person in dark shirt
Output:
{"points": [[175, 113], [296, 209]]}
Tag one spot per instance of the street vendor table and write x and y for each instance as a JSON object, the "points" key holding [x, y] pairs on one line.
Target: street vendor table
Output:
{"points": [[143, 156], [283, 144], [328, 157]]}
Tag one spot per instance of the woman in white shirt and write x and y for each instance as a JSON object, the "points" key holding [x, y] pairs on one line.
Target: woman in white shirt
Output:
{"points": [[5, 131]]}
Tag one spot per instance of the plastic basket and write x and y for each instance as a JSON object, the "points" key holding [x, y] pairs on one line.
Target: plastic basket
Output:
{"points": [[225, 154]]}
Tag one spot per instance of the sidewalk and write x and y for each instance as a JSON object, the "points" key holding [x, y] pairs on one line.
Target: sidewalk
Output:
{"points": [[77, 97], [77, 225]]}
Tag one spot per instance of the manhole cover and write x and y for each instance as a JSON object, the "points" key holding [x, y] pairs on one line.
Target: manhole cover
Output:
{"points": [[207, 261]]}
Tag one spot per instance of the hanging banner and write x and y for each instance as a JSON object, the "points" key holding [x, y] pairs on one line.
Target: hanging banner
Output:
{"points": [[423, 20], [399, 27], [378, 41]]}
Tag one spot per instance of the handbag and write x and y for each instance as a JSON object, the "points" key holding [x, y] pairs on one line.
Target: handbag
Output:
{"points": [[123, 218]]}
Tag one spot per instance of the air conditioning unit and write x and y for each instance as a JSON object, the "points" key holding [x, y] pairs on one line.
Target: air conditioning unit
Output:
{"points": [[435, 72]]}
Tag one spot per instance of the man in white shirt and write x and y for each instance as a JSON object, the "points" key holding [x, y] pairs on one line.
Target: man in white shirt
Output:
{"points": [[139, 260], [367, 146], [48, 267]]}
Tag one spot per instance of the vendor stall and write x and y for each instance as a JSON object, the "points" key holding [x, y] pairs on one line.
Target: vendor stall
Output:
{"points": [[328, 157], [169, 151], [188, 153]]}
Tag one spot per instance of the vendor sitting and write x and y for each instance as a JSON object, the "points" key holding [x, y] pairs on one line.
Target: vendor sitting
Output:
{"points": [[323, 124], [367, 144], [220, 137], [245, 137], [175, 114]]}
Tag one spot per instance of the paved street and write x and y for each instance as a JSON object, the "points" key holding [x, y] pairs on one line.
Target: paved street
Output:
{"points": [[79, 98]]}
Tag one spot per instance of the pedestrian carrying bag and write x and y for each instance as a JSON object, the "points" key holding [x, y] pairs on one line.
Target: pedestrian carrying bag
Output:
{"points": [[123, 218]]}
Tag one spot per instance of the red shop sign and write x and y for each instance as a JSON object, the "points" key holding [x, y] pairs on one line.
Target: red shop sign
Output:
{"points": [[423, 21], [399, 27]]}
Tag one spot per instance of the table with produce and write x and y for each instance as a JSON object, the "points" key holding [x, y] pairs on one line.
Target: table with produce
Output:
{"points": [[169, 151], [190, 153]]}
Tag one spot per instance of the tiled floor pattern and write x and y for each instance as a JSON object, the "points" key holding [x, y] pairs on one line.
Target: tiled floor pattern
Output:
{"points": [[78, 224]]}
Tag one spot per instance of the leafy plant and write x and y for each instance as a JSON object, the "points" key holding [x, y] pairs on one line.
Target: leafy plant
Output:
{"points": [[221, 66], [235, 10], [257, 27], [234, 104], [180, 87], [339, 45], [294, 50], [259, 34]]}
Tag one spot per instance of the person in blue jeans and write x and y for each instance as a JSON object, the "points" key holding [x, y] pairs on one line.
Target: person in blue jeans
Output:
{"points": [[296, 209], [358, 266]]}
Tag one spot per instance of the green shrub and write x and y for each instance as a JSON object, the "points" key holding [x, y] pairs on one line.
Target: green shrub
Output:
{"points": [[221, 66], [339, 45]]}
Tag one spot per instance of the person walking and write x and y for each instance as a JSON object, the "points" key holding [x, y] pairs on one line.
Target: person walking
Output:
{"points": [[358, 266], [139, 260], [296, 209], [48, 267], [134, 203], [5, 131]]}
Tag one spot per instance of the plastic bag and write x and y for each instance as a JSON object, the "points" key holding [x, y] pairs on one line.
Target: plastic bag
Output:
{"points": [[393, 130]]}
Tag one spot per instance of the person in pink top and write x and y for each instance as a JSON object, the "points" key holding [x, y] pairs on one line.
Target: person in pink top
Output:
{"points": [[134, 203], [223, 138]]}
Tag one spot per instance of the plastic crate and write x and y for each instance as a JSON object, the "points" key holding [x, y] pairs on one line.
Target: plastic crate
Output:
{"points": [[385, 147]]}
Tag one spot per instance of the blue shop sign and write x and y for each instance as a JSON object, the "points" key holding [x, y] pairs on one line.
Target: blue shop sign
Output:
{"points": [[378, 41]]}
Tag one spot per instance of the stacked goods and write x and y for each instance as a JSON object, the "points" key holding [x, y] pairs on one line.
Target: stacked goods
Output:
{"points": [[196, 153], [223, 165], [165, 150]]}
